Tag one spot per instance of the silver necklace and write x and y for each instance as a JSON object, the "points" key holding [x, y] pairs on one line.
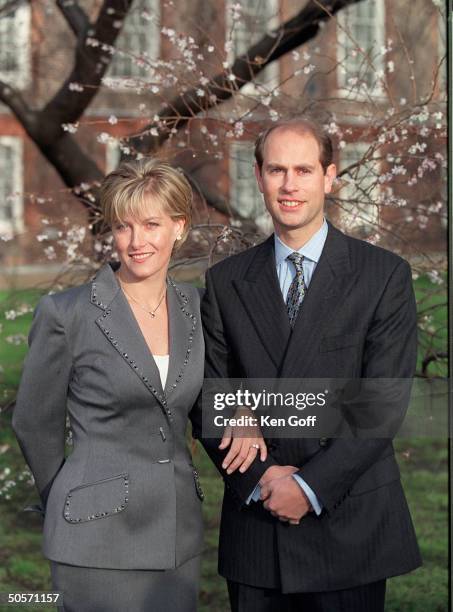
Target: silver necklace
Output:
{"points": [[151, 312]]}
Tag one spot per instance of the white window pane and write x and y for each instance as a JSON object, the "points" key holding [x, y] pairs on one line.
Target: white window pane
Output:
{"points": [[361, 35], [245, 197], [257, 18], [15, 47], [139, 40], [11, 190], [360, 193]]}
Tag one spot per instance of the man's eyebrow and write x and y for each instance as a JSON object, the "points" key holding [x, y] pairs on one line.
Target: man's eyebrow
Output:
{"points": [[298, 167], [305, 166], [274, 165]]}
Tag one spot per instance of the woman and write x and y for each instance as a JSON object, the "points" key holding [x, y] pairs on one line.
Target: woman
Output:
{"points": [[123, 356]]}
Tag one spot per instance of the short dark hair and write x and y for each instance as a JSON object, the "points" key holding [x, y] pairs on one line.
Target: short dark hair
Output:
{"points": [[304, 124]]}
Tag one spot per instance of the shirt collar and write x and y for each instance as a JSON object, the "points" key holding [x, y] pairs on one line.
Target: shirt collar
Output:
{"points": [[311, 250]]}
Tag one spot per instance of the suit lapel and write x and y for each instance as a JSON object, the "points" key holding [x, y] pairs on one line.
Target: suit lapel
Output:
{"points": [[121, 329], [183, 322], [118, 324], [318, 307], [260, 294]]}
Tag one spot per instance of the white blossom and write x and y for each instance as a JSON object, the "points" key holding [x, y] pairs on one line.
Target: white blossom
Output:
{"points": [[238, 129], [103, 138], [49, 252], [70, 127], [75, 87], [113, 120]]}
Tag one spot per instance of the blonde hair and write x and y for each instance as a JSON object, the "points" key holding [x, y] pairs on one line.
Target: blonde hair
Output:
{"points": [[128, 190]]}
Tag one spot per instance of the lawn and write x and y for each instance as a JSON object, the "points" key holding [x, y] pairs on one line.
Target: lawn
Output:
{"points": [[423, 465]]}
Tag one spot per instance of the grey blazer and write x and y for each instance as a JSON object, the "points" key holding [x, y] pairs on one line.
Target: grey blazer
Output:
{"points": [[128, 495]]}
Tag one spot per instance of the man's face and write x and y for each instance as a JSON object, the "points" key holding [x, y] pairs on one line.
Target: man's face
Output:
{"points": [[293, 182]]}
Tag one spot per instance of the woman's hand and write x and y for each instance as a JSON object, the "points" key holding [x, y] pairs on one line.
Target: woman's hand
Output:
{"points": [[245, 443]]}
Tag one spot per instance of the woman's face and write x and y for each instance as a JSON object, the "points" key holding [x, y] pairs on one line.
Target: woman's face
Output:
{"points": [[144, 245]]}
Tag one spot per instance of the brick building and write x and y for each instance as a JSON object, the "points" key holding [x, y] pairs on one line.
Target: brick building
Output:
{"points": [[373, 57]]}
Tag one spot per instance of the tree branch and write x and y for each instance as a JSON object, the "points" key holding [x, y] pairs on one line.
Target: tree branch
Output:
{"points": [[75, 16], [74, 166], [293, 33], [92, 58], [13, 99]]}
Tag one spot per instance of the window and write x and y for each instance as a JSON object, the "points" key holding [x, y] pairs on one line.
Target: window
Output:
{"points": [[442, 52], [11, 191], [15, 47], [360, 193], [361, 36], [139, 39], [112, 156], [257, 18], [245, 197]]}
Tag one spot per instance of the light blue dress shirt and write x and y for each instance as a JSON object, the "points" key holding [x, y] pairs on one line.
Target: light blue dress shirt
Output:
{"points": [[286, 272]]}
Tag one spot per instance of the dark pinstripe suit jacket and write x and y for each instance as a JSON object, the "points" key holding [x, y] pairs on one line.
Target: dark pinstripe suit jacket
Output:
{"points": [[358, 319]]}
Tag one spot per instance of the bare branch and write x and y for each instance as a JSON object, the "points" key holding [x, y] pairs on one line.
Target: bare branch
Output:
{"points": [[92, 58], [13, 99], [293, 33], [75, 16]]}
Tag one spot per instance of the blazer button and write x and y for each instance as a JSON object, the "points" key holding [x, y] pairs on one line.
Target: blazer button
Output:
{"points": [[323, 441]]}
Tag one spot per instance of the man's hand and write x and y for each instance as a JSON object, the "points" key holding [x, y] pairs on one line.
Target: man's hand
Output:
{"points": [[285, 499], [277, 471]]}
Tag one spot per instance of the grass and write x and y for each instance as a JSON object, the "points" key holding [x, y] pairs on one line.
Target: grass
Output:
{"points": [[423, 464]]}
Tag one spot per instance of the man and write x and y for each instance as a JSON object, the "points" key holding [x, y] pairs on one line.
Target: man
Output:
{"points": [[331, 522]]}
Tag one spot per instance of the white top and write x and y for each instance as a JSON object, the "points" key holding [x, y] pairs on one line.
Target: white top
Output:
{"points": [[162, 365]]}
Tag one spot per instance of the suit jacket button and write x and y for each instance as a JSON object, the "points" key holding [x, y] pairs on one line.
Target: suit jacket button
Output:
{"points": [[322, 441]]}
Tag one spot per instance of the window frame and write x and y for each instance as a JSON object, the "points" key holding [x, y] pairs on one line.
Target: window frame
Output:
{"points": [[345, 215], [271, 72], [379, 28], [20, 27], [153, 48], [16, 223]]}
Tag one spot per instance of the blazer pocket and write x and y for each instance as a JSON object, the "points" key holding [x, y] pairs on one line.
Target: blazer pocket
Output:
{"points": [[198, 488], [96, 500], [333, 343], [381, 473]]}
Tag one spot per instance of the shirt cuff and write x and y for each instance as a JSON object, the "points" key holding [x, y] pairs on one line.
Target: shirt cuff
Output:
{"points": [[254, 495], [309, 493]]}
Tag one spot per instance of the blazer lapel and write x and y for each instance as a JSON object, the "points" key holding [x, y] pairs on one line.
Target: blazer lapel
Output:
{"points": [[318, 307], [182, 322], [121, 329], [260, 294]]}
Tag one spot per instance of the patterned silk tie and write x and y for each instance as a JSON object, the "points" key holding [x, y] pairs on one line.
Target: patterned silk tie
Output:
{"points": [[297, 288]]}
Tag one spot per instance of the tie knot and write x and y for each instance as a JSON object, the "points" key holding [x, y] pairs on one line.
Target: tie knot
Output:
{"points": [[296, 259]]}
